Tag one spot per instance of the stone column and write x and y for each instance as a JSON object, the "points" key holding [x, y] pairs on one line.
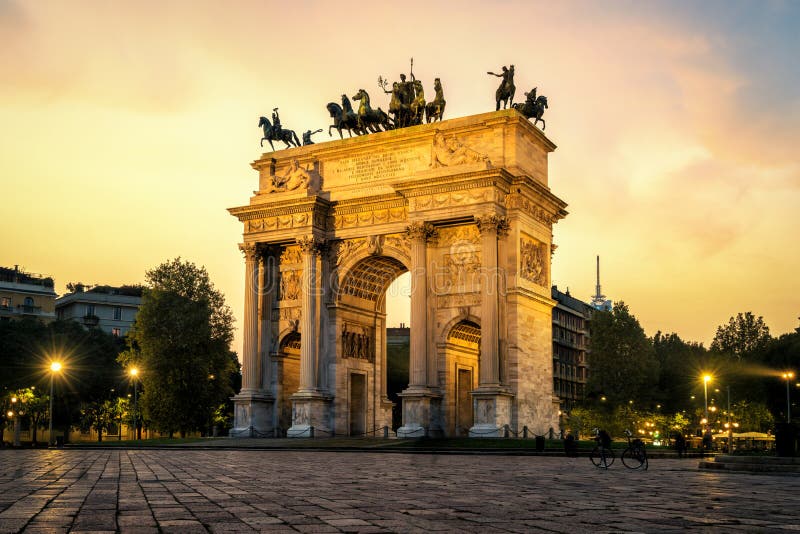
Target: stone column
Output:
{"points": [[308, 315], [311, 415], [253, 415], [251, 369], [266, 295], [489, 373], [420, 403], [491, 401], [418, 349]]}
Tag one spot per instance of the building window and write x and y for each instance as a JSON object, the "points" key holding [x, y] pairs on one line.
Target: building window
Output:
{"points": [[90, 309], [28, 301], [115, 332], [5, 302], [118, 313]]}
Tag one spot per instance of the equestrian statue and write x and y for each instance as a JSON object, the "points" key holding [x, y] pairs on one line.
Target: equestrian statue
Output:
{"points": [[370, 120], [274, 132], [505, 92], [434, 110], [533, 108]]}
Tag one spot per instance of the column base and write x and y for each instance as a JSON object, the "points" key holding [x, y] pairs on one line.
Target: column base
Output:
{"points": [[310, 416], [253, 416], [421, 414], [492, 409]]}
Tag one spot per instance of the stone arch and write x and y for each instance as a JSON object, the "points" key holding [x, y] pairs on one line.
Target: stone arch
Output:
{"points": [[460, 356], [287, 379], [360, 324], [368, 276]]}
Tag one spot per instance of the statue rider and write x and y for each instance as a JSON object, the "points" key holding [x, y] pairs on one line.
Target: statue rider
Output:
{"points": [[508, 81], [276, 123], [406, 90]]}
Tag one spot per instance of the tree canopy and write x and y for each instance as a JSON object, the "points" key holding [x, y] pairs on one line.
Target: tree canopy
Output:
{"points": [[180, 343], [622, 360], [743, 336]]}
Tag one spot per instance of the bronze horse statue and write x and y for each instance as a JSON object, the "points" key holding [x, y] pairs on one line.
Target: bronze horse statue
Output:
{"points": [[505, 93], [277, 134], [417, 106], [343, 120], [370, 120], [533, 108], [434, 110]]}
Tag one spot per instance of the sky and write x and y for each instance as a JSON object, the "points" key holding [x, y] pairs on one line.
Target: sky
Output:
{"points": [[128, 129]]}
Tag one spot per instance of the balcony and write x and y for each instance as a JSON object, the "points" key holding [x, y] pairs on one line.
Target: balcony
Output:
{"points": [[24, 309], [91, 320]]}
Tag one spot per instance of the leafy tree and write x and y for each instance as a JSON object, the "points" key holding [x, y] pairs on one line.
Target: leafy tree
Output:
{"points": [[99, 415], [678, 363], [180, 342], [622, 360], [743, 336]]}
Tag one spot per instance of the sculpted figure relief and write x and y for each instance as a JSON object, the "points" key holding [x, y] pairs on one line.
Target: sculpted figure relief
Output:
{"points": [[295, 177], [533, 258], [448, 152]]}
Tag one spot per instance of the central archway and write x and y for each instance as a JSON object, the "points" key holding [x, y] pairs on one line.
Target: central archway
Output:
{"points": [[362, 359], [461, 354]]}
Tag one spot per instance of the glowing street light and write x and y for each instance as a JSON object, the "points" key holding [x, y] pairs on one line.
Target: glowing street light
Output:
{"points": [[55, 367], [788, 376], [706, 379], [134, 372]]}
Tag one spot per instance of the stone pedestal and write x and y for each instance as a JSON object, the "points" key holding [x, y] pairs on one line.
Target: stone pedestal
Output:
{"points": [[492, 409], [252, 415], [421, 414], [310, 410]]}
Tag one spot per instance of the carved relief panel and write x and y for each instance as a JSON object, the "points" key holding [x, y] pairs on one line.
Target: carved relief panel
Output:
{"points": [[534, 259], [357, 342]]}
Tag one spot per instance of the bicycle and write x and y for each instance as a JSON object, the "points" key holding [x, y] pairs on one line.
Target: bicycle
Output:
{"points": [[635, 456], [602, 456]]}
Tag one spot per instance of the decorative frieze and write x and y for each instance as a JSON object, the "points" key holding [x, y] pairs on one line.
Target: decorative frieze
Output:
{"points": [[369, 217], [453, 198], [520, 202], [284, 222]]}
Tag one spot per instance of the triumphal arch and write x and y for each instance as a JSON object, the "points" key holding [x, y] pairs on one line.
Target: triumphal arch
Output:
{"points": [[464, 206]]}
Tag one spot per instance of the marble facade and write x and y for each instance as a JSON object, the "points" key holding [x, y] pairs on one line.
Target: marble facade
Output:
{"points": [[464, 206]]}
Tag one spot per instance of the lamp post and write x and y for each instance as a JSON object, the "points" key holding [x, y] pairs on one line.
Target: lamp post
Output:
{"points": [[788, 376], [55, 367], [134, 372], [706, 380], [17, 424]]}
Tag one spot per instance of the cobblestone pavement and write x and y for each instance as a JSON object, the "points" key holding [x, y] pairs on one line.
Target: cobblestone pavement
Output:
{"points": [[296, 491]]}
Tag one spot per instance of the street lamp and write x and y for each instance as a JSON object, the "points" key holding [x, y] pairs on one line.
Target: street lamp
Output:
{"points": [[15, 410], [55, 367], [134, 372], [788, 376], [706, 380]]}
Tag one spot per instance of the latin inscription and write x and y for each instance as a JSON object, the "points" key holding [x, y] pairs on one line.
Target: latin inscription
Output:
{"points": [[371, 167]]}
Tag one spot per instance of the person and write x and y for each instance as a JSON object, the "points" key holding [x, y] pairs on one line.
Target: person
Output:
{"points": [[604, 438], [276, 123], [680, 444], [307, 136], [570, 447]]}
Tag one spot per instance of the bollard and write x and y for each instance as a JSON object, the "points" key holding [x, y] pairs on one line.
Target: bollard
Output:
{"points": [[311, 431], [385, 432], [505, 431], [525, 432]]}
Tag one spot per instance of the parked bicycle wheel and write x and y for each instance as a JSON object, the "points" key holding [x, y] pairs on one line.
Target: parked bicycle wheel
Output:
{"points": [[602, 457], [635, 458]]}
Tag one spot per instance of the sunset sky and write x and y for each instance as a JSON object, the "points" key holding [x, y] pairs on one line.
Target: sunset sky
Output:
{"points": [[128, 128]]}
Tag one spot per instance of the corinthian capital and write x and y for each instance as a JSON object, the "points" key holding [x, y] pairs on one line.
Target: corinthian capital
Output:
{"points": [[491, 224], [309, 244], [250, 251], [420, 231]]}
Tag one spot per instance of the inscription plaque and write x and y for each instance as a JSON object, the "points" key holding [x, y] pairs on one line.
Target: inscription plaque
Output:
{"points": [[373, 167]]}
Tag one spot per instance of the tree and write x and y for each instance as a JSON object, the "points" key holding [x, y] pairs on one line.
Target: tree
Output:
{"points": [[180, 342], [744, 336], [622, 363], [678, 363], [99, 415]]}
